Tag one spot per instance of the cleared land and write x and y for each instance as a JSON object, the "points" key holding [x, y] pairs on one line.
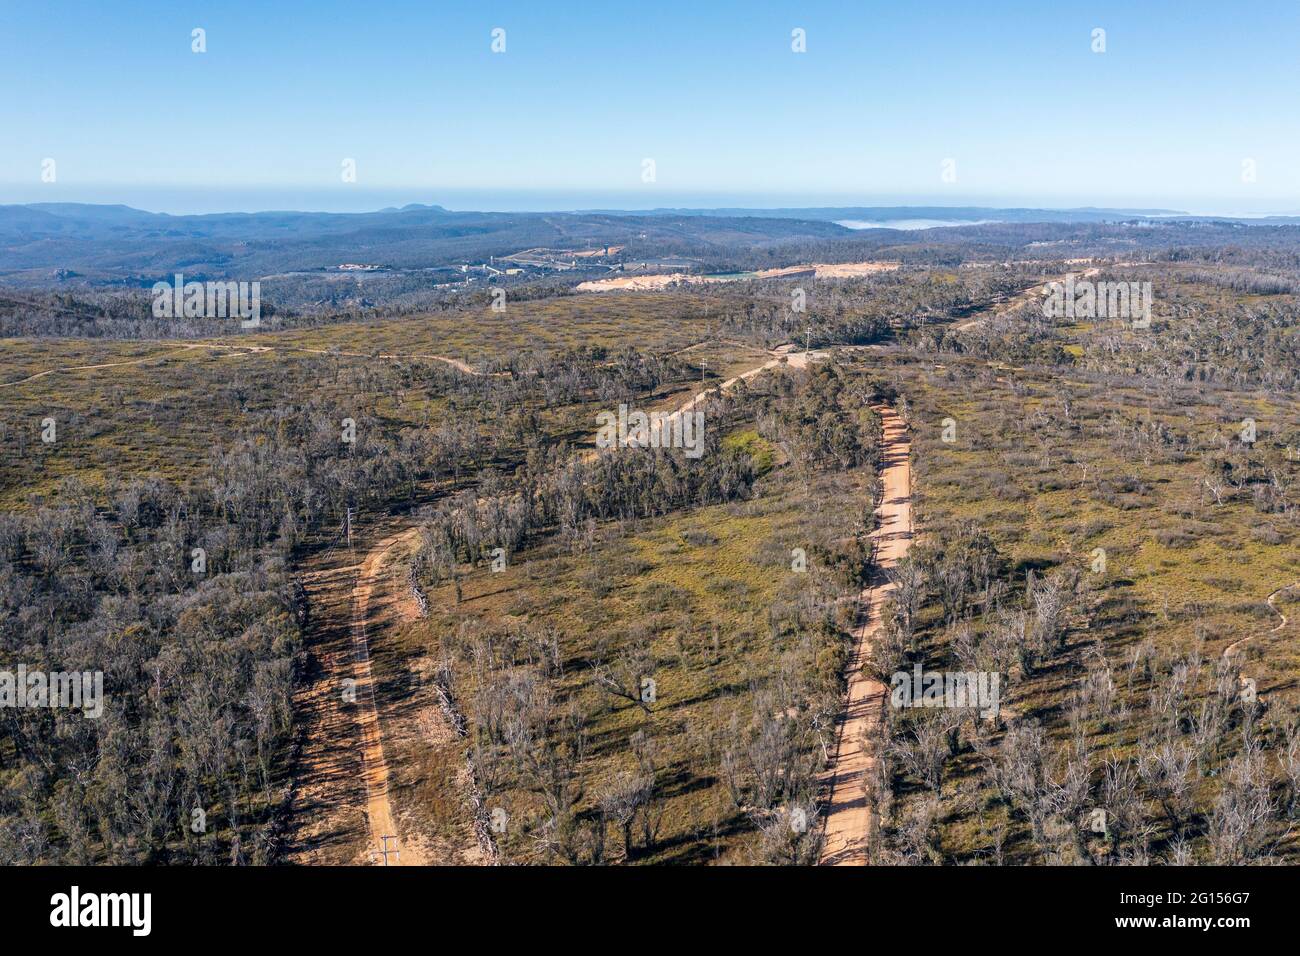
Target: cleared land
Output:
{"points": [[819, 270], [849, 820]]}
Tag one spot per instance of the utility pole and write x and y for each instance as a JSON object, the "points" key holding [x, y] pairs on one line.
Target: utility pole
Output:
{"points": [[385, 850], [347, 524]]}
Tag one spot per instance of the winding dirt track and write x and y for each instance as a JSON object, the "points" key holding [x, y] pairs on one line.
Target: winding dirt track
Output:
{"points": [[337, 761], [339, 751], [789, 359], [184, 347], [849, 820], [1237, 645], [1016, 301]]}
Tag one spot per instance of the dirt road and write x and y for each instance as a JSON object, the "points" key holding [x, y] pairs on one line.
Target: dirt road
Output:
{"points": [[342, 768], [184, 347], [379, 811], [849, 821], [789, 359], [1026, 296]]}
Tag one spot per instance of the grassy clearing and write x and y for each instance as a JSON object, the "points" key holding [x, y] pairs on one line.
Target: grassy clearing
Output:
{"points": [[658, 323]]}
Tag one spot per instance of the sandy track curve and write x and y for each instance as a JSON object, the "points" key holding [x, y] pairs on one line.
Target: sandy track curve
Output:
{"points": [[1237, 645], [76, 368], [1273, 597], [379, 812], [849, 820], [1020, 299], [788, 359], [345, 751]]}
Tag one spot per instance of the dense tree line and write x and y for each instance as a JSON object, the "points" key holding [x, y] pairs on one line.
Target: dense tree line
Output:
{"points": [[196, 651]]}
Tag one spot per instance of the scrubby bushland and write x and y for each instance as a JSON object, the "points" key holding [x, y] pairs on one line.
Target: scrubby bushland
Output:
{"points": [[674, 734], [182, 591], [1099, 532]]}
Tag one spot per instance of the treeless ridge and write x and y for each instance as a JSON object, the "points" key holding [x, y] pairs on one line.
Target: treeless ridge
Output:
{"points": [[849, 820]]}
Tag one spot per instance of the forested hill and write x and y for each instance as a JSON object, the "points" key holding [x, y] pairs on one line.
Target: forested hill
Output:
{"points": [[119, 243]]}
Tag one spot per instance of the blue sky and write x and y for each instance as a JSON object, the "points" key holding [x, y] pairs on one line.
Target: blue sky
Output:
{"points": [[1185, 92]]}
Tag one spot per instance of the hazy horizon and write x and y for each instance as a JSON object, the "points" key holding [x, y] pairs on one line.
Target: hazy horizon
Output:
{"points": [[516, 108], [202, 201]]}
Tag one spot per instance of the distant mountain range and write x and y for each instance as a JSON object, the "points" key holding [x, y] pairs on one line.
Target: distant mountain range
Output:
{"points": [[102, 242]]}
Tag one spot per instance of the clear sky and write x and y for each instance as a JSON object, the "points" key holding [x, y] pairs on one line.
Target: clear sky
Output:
{"points": [[1184, 93]]}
